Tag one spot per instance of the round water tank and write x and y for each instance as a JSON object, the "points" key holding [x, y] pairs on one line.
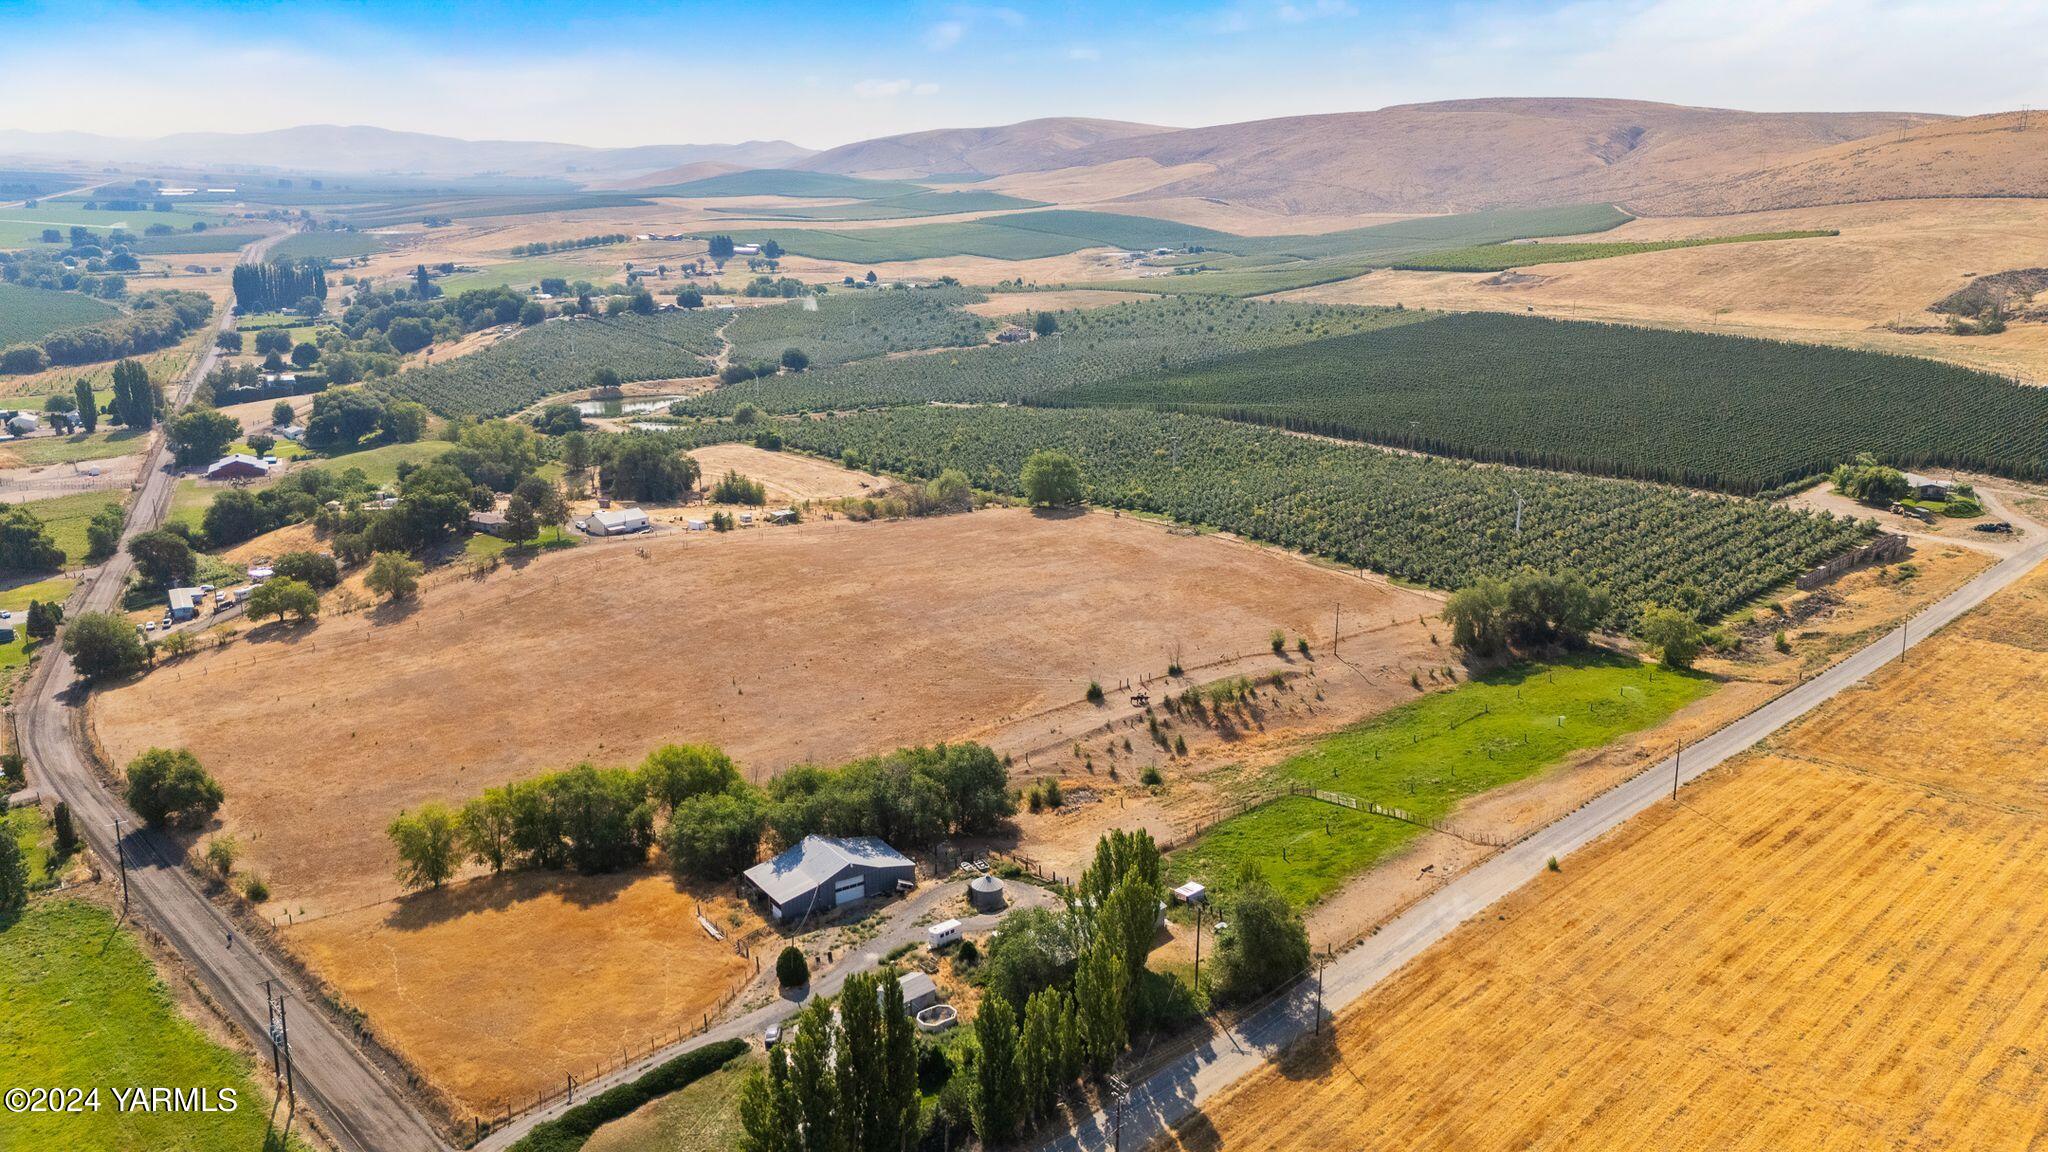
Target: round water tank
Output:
{"points": [[986, 894]]}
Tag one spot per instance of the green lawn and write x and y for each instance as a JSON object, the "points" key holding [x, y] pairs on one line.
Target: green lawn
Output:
{"points": [[79, 446], [380, 464], [32, 834], [67, 516], [1426, 757], [15, 652], [80, 1006], [484, 544], [702, 1117], [189, 499]]}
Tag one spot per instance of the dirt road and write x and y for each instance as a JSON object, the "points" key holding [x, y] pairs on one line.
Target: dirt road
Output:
{"points": [[351, 1098], [1179, 1089]]}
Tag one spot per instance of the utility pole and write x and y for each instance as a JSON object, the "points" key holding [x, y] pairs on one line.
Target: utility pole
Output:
{"points": [[1320, 965], [1337, 629], [121, 854], [1199, 909], [285, 1031]]}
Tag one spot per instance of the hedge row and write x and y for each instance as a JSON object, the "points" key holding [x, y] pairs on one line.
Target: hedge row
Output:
{"points": [[569, 1131]]}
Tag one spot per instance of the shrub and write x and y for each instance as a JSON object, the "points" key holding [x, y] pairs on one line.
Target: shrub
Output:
{"points": [[792, 970], [254, 889], [1094, 692], [1151, 778]]}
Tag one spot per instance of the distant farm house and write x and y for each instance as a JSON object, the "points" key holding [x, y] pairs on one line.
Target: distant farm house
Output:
{"points": [[1928, 488], [488, 523], [617, 522], [1013, 334]]}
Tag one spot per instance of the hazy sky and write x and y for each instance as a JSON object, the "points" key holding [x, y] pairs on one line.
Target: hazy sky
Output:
{"points": [[824, 73]]}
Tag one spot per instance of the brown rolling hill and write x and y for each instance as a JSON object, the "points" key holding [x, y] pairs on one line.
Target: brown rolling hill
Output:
{"points": [[1465, 155], [1982, 156], [1030, 146]]}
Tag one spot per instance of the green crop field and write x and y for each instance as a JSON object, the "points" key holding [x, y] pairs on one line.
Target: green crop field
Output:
{"points": [[1436, 522], [856, 325], [788, 182], [410, 211], [560, 355], [380, 464], [1266, 264], [1500, 257], [83, 1008], [1684, 407], [1095, 344], [193, 243], [529, 271], [894, 207], [327, 245], [1426, 758], [32, 313], [24, 226], [77, 447], [66, 517]]}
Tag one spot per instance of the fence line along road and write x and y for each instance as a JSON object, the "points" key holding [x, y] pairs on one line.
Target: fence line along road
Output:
{"points": [[1179, 1089], [357, 1106]]}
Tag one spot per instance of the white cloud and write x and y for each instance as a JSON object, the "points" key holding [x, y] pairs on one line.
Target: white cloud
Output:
{"points": [[1084, 52], [944, 35], [890, 89]]}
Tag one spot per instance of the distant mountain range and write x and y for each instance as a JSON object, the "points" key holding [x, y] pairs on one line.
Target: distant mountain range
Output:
{"points": [[364, 150], [1459, 155]]}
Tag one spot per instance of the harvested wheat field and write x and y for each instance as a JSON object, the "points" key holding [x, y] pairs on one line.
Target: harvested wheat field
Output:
{"points": [[788, 476], [1836, 944], [1891, 262], [818, 642], [499, 987]]}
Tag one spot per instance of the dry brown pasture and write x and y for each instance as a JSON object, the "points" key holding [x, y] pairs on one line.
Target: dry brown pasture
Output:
{"points": [[1833, 943], [819, 642], [789, 476], [500, 986], [1891, 261]]}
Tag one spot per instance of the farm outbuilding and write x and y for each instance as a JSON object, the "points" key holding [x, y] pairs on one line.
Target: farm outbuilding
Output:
{"points": [[1928, 488], [239, 466], [919, 991], [185, 603], [617, 522], [821, 873]]}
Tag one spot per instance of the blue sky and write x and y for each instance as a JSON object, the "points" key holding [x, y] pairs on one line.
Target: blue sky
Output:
{"points": [[825, 73]]}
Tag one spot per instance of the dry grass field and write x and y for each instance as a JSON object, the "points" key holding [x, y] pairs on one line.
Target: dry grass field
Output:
{"points": [[1834, 943], [820, 642], [789, 476], [1891, 261], [499, 987]]}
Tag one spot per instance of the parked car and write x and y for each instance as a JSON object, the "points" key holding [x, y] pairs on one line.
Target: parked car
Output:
{"points": [[772, 1036]]}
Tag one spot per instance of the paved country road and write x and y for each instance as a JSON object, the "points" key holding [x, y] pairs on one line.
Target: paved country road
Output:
{"points": [[355, 1104], [1177, 1090]]}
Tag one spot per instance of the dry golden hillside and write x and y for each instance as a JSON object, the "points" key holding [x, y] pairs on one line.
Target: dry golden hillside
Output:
{"points": [[1471, 154], [1980, 156], [1030, 146]]}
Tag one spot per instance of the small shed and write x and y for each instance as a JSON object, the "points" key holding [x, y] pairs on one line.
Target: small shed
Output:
{"points": [[185, 603], [986, 893], [782, 516], [943, 933], [23, 423], [696, 525], [8, 628], [618, 522], [919, 991], [1192, 892], [822, 872]]}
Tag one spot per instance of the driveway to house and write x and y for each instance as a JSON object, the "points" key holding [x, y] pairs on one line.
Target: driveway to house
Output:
{"points": [[1176, 1091]]}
